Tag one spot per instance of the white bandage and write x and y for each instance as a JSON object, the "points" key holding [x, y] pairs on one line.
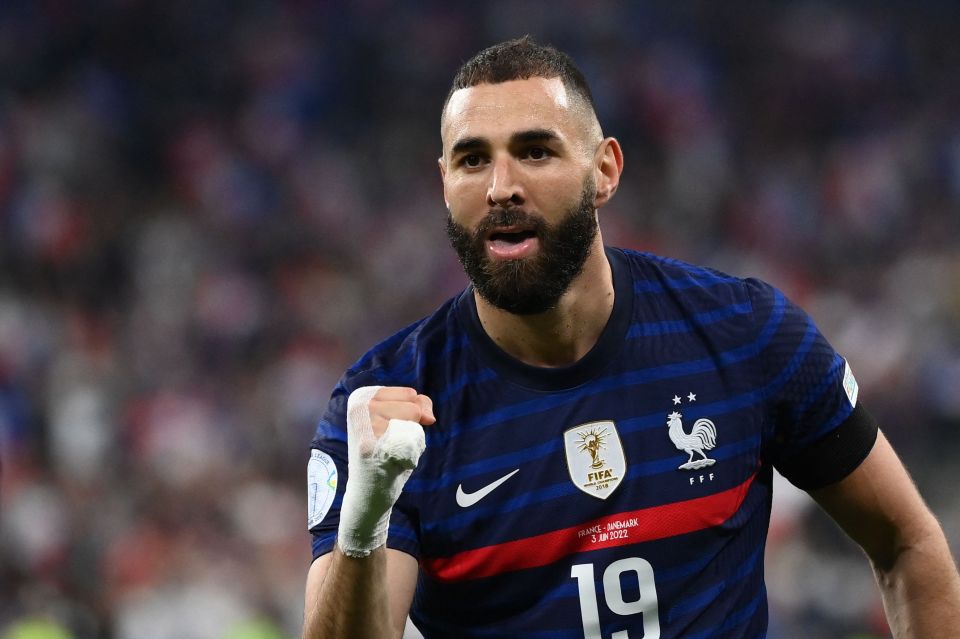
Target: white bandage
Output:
{"points": [[378, 469]]}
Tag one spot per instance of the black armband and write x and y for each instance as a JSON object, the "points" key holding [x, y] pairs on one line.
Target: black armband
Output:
{"points": [[835, 455]]}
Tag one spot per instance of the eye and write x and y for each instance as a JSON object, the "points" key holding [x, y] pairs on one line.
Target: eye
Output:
{"points": [[537, 153], [471, 161]]}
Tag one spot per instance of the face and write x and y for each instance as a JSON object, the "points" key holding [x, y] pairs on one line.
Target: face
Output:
{"points": [[520, 188]]}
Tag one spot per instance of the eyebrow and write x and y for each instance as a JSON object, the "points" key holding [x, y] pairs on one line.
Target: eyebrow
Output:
{"points": [[534, 135], [468, 144], [520, 137]]}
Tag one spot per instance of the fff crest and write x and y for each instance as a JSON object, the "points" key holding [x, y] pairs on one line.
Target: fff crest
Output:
{"points": [[595, 458]]}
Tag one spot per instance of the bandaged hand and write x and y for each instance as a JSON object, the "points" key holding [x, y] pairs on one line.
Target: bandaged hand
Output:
{"points": [[384, 442]]}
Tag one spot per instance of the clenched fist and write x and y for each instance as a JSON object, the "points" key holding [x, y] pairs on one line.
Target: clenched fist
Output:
{"points": [[384, 442]]}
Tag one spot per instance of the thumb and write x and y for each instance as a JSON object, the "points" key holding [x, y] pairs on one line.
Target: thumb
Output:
{"points": [[426, 409]]}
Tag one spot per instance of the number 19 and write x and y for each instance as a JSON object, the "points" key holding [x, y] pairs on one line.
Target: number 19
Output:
{"points": [[646, 605]]}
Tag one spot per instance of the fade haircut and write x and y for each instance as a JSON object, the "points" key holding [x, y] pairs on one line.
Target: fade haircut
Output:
{"points": [[520, 59]]}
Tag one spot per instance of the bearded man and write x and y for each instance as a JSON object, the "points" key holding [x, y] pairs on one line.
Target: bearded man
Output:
{"points": [[582, 442]]}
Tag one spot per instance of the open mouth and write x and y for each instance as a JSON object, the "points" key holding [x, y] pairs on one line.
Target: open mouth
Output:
{"points": [[511, 243], [512, 237]]}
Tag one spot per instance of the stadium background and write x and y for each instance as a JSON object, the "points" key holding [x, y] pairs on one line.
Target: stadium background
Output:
{"points": [[207, 210]]}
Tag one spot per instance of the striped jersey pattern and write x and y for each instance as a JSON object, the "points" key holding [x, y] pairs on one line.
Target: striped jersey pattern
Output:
{"points": [[625, 496]]}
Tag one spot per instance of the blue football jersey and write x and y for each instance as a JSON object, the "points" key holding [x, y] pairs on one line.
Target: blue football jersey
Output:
{"points": [[624, 496]]}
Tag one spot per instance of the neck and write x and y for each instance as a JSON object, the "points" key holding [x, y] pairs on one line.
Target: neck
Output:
{"points": [[564, 334]]}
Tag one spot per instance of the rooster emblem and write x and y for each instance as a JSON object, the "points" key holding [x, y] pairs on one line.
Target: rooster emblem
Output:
{"points": [[703, 436]]}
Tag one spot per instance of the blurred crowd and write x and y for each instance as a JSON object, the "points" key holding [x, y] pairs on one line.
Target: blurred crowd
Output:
{"points": [[209, 209]]}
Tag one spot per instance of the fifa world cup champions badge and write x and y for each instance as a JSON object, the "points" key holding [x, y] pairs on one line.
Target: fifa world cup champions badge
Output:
{"points": [[595, 457]]}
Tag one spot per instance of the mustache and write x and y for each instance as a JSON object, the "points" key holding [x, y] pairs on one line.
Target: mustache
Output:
{"points": [[513, 216]]}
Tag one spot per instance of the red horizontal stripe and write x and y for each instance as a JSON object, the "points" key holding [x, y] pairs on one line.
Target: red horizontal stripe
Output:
{"points": [[631, 527]]}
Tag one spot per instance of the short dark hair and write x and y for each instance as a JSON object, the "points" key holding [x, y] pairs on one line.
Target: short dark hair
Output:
{"points": [[520, 59]]}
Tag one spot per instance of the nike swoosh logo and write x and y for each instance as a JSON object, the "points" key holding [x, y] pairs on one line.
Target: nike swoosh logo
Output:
{"points": [[465, 500]]}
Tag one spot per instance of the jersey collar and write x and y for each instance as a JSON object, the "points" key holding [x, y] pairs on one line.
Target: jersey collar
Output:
{"points": [[589, 367]]}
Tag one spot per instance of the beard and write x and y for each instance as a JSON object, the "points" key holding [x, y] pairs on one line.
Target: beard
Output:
{"points": [[531, 285]]}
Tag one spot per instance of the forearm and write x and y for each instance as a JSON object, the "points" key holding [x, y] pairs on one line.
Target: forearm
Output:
{"points": [[921, 588], [352, 599], [347, 589]]}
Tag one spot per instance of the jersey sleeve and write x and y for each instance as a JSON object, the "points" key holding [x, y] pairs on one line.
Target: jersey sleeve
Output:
{"points": [[817, 433], [327, 476]]}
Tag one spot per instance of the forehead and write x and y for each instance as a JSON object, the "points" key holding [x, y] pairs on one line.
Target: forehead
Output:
{"points": [[490, 110]]}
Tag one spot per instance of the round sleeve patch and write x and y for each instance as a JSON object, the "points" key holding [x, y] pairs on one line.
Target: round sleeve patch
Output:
{"points": [[321, 486]]}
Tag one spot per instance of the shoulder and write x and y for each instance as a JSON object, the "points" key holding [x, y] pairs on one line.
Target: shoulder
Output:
{"points": [[398, 359], [682, 280]]}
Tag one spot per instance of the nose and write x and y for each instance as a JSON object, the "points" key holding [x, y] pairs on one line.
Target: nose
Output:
{"points": [[505, 189]]}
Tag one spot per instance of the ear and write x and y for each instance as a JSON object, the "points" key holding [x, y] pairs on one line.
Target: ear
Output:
{"points": [[608, 165], [443, 178]]}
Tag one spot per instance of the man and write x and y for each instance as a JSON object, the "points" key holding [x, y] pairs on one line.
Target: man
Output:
{"points": [[581, 444]]}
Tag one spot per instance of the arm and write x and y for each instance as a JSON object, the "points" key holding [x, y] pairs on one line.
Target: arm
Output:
{"points": [[362, 589], [880, 508], [359, 596]]}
